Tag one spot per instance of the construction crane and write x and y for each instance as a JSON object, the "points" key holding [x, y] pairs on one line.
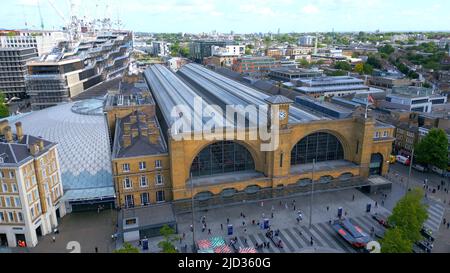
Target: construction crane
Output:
{"points": [[40, 14]]}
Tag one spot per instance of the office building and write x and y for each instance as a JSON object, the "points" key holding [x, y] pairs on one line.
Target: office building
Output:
{"points": [[412, 98], [330, 86], [257, 66], [67, 72], [161, 49], [13, 70], [288, 74], [42, 41], [201, 49], [307, 40]]}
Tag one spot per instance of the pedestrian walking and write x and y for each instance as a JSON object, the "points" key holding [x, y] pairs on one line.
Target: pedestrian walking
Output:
{"points": [[311, 242], [272, 215], [294, 207], [448, 225], [328, 208], [245, 240], [192, 228], [96, 249], [245, 230], [243, 223], [209, 231], [54, 239], [376, 204], [353, 197], [221, 226], [268, 244], [445, 221], [382, 203], [228, 221], [273, 208], [286, 205], [262, 203]]}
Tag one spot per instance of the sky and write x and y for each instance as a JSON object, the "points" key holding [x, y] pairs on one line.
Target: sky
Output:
{"points": [[240, 16]]}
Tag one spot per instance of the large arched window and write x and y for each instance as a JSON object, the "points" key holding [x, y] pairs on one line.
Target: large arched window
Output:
{"points": [[318, 146], [222, 157]]}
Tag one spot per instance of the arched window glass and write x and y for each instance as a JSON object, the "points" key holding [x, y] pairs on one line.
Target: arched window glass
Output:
{"points": [[222, 157], [318, 146]]}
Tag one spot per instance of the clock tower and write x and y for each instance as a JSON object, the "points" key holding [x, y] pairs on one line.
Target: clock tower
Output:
{"points": [[281, 106]]}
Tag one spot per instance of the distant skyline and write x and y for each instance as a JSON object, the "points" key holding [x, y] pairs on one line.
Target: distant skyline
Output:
{"points": [[196, 16]]}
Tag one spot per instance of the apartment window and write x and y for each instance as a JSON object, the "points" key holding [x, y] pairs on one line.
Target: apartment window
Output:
{"points": [[36, 194], [14, 187], [159, 179], [38, 206], [385, 133], [32, 212], [5, 188], [158, 164], [2, 175], [377, 134], [144, 198], [11, 216], [142, 166], [144, 182], [46, 187], [20, 216], [127, 183], [126, 167], [44, 173], [160, 196], [11, 174], [30, 198], [2, 217], [129, 201], [54, 165], [27, 183], [7, 202], [17, 202], [33, 180]]}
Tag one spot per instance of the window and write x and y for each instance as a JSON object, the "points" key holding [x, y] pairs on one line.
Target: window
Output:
{"points": [[126, 167], [143, 181], [281, 160], [5, 188], [377, 134], [159, 179], [54, 165], [127, 183], [36, 194], [38, 206], [318, 146], [11, 174], [30, 198], [33, 180], [44, 173], [142, 166], [27, 183], [7, 202], [158, 164], [14, 187], [17, 202], [11, 216], [20, 216], [144, 198], [129, 201], [385, 134], [2, 217], [160, 196], [46, 187], [2, 175], [32, 212]]}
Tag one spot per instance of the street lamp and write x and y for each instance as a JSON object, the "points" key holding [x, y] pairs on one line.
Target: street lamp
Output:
{"points": [[312, 194], [409, 171], [193, 218]]}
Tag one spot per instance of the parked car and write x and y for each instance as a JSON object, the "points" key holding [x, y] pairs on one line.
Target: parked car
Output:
{"points": [[419, 168], [403, 160]]}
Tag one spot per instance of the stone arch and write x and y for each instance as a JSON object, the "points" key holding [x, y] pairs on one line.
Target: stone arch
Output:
{"points": [[332, 135]]}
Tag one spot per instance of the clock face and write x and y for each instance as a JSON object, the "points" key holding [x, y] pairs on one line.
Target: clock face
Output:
{"points": [[283, 115]]}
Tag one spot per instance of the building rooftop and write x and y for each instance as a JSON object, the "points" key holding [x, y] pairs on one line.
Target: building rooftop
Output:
{"points": [[411, 91], [143, 136], [84, 148]]}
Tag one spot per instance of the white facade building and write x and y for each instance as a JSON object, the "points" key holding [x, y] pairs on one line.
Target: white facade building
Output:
{"points": [[306, 40], [228, 50], [43, 41], [161, 49]]}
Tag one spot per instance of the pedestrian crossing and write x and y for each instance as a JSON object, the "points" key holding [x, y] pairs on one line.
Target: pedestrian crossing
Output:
{"points": [[298, 238], [435, 216]]}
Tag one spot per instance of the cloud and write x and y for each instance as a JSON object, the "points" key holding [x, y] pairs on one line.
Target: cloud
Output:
{"points": [[310, 9]]}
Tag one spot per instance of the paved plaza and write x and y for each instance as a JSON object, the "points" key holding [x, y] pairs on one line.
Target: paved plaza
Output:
{"points": [[295, 236]]}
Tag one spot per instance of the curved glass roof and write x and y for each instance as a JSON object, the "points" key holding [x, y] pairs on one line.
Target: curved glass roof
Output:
{"points": [[84, 148], [89, 107]]}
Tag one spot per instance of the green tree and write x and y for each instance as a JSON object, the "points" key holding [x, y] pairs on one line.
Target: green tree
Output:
{"points": [[303, 62], [394, 241], [127, 248], [4, 110], [167, 245], [374, 62], [409, 214], [343, 65], [386, 49], [433, 149]]}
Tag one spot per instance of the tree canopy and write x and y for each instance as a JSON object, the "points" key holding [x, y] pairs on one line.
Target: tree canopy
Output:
{"points": [[167, 245], [343, 65], [433, 149], [127, 248], [4, 111], [407, 220]]}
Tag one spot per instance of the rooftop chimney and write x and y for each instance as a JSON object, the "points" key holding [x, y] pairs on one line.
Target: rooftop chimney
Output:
{"points": [[19, 130], [3, 125], [34, 149], [8, 134], [41, 144], [153, 138], [126, 140]]}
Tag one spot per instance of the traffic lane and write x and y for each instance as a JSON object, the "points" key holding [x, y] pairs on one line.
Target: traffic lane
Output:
{"points": [[416, 176]]}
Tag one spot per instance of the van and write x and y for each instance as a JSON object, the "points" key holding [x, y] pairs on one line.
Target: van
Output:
{"points": [[403, 160]]}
